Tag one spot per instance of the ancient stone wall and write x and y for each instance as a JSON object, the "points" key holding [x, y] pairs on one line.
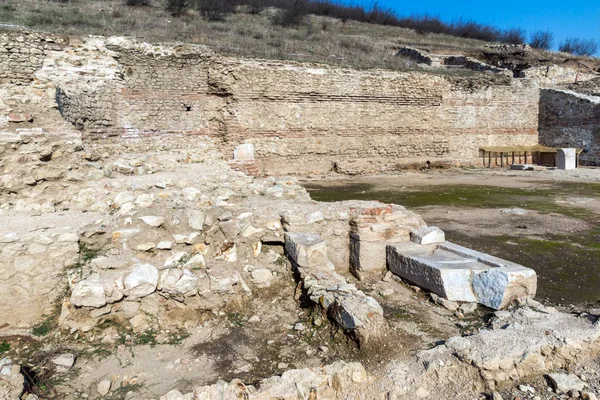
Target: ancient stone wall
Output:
{"points": [[320, 117], [300, 118], [570, 119], [21, 55]]}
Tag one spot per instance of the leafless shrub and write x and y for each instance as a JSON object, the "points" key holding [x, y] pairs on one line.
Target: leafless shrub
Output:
{"points": [[579, 46], [542, 40], [178, 7], [215, 10], [513, 36], [293, 15]]}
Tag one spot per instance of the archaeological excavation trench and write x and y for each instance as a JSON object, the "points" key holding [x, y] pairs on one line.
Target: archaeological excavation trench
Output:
{"points": [[154, 245]]}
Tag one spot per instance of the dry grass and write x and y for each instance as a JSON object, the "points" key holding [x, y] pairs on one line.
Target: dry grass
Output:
{"points": [[319, 39]]}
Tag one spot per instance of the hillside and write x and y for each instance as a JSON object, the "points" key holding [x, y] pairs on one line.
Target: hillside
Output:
{"points": [[318, 39]]}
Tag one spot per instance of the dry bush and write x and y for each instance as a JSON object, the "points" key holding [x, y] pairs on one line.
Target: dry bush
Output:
{"points": [[293, 15], [513, 36], [178, 7], [216, 10], [542, 40], [136, 3], [579, 46]]}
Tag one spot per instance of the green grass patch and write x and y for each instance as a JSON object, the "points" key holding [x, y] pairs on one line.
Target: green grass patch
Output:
{"points": [[44, 327], [4, 347]]}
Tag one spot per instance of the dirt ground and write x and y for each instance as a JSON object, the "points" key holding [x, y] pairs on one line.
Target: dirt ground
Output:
{"points": [[547, 219]]}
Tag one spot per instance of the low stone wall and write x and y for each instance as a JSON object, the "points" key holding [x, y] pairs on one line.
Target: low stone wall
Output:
{"points": [[570, 119], [32, 270]]}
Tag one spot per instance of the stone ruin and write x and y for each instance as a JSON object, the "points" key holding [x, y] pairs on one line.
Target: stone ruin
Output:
{"points": [[151, 231]]}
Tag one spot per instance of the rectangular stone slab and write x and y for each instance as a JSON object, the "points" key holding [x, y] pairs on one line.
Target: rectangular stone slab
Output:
{"points": [[461, 274]]}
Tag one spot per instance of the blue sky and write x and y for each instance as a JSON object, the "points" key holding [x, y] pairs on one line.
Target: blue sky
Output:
{"points": [[579, 18]]}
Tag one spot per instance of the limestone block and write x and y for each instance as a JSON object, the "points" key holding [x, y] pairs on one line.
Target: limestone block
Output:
{"points": [[244, 152], [461, 274], [427, 235], [307, 250], [446, 275], [562, 383], [355, 311], [366, 256], [141, 281], [374, 227], [497, 288], [566, 159], [169, 278], [89, 292], [196, 219], [186, 283]]}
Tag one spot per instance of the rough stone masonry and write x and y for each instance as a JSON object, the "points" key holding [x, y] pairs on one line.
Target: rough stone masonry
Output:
{"points": [[300, 118]]}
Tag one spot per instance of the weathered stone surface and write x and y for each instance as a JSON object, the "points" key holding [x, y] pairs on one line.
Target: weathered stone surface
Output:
{"points": [[89, 292], [427, 235], [244, 152], [103, 387], [65, 361], [261, 277], [356, 311], [186, 283], [13, 117], [196, 219], [460, 274], [141, 281], [562, 383], [153, 220], [308, 251], [566, 159], [371, 229]]}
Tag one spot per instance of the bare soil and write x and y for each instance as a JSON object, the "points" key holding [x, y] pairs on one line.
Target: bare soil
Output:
{"points": [[548, 220]]}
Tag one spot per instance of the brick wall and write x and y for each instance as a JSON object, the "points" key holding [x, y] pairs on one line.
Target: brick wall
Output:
{"points": [[301, 118]]}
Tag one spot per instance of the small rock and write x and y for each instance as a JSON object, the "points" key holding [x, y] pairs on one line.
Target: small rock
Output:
{"points": [[422, 393], [447, 304], [299, 326], [145, 247], [173, 395], [497, 396], [526, 388], [254, 319], [588, 396], [261, 277], [153, 220], [164, 245], [388, 276], [64, 361], [562, 383], [468, 308], [428, 235], [317, 216], [574, 393], [514, 211], [196, 220], [103, 387], [226, 216]]}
